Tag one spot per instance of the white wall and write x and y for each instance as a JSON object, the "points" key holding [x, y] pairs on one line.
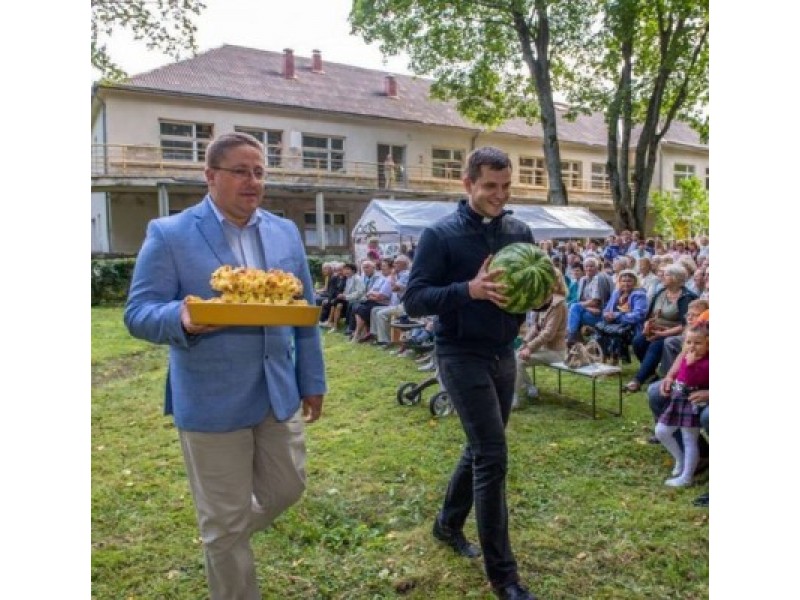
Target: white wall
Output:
{"points": [[100, 241], [133, 121], [672, 155]]}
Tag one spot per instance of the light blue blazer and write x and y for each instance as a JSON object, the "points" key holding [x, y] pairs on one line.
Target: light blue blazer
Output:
{"points": [[231, 378]]}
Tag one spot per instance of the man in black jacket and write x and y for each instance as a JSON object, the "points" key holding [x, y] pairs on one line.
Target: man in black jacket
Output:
{"points": [[474, 349]]}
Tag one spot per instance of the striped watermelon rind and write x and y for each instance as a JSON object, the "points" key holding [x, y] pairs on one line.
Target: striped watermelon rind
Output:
{"points": [[528, 274]]}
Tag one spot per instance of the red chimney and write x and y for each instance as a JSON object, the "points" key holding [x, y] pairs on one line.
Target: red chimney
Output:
{"points": [[288, 64], [390, 86], [316, 61]]}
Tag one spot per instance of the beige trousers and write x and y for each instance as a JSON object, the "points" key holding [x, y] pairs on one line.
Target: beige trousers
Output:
{"points": [[543, 356], [241, 481]]}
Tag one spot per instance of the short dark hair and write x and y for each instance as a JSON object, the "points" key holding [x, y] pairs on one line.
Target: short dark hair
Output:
{"points": [[494, 158], [216, 149], [350, 266]]}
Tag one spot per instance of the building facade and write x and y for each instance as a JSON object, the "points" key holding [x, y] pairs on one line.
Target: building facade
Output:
{"points": [[337, 136]]}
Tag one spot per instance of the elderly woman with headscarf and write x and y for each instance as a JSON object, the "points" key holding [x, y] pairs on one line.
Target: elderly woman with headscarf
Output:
{"points": [[623, 318], [666, 316]]}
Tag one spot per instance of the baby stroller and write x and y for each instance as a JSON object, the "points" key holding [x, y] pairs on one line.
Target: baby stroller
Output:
{"points": [[409, 393]]}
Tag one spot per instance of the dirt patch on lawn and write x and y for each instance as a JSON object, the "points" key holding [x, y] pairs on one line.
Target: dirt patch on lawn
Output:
{"points": [[126, 367]]}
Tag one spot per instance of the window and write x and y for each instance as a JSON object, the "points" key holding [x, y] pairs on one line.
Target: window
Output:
{"points": [[681, 172], [185, 141], [532, 171], [447, 163], [571, 171], [323, 153], [335, 229], [271, 139], [600, 180]]}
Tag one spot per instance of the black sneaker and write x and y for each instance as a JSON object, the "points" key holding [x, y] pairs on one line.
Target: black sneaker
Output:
{"points": [[701, 501], [513, 591], [455, 539]]}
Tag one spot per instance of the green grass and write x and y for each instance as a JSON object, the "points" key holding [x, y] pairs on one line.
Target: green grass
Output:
{"points": [[590, 516]]}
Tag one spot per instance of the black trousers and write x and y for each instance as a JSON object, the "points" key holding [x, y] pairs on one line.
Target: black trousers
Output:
{"points": [[481, 390]]}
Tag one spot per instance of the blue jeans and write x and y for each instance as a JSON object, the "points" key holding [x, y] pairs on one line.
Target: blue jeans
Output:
{"points": [[649, 355], [579, 316], [481, 390], [658, 404]]}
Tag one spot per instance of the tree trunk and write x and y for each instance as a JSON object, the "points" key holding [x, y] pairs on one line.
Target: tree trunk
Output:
{"points": [[618, 164], [540, 72]]}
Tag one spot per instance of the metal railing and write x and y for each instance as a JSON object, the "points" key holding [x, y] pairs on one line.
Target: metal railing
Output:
{"points": [[148, 161]]}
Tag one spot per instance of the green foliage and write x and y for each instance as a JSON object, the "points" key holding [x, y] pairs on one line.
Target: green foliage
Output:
{"points": [[589, 514], [111, 279], [472, 49], [683, 215], [164, 25], [496, 59], [315, 266], [646, 66]]}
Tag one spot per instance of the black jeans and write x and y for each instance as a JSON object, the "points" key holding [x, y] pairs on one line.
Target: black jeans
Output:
{"points": [[481, 390]]}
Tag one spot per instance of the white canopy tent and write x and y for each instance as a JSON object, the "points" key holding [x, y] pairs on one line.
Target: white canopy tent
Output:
{"points": [[396, 221]]}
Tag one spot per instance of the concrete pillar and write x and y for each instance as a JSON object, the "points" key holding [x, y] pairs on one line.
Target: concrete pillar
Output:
{"points": [[320, 205], [163, 200]]}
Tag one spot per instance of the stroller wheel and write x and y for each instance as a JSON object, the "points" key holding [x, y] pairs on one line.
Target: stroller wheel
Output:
{"points": [[440, 405], [408, 394]]}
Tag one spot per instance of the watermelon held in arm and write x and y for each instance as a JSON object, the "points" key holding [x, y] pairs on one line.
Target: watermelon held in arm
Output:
{"points": [[528, 274]]}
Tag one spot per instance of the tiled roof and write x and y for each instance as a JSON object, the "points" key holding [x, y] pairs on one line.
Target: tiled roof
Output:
{"points": [[251, 75]]}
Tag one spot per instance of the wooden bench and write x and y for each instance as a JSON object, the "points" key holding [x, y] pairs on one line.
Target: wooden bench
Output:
{"points": [[593, 372]]}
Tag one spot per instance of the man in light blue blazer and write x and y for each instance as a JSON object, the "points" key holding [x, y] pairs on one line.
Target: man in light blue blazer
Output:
{"points": [[239, 396]]}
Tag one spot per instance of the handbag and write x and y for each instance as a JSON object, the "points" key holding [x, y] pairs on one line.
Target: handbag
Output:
{"points": [[583, 355], [623, 330]]}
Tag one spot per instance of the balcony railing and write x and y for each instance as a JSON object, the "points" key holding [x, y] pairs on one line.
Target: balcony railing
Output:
{"points": [[131, 161]]}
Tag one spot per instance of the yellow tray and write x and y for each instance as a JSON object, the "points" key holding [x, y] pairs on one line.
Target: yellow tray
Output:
{"points": [[214, 313]]}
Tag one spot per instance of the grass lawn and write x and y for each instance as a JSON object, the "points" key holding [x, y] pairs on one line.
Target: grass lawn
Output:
{"points": [[589, 514]]}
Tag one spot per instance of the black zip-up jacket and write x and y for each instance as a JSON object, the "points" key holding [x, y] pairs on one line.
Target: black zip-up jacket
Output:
{"points": [[449, 254]]}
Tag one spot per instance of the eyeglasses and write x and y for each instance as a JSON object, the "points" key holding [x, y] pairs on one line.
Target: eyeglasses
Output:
{"points": [[242, 173]]}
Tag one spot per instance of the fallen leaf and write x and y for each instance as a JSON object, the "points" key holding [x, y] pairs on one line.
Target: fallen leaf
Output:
{"points": [[173, 574], [581, 555]]}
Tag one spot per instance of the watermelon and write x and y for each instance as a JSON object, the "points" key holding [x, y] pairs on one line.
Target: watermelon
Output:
{"points": [[528, 274]]}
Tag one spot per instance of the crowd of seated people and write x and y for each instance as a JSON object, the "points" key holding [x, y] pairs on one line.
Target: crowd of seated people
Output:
{"points": [[666, 316], [381, 316], [649, 298], [333, 282], [352, 291], [379, 295], [674, 279], [623, 318]]}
